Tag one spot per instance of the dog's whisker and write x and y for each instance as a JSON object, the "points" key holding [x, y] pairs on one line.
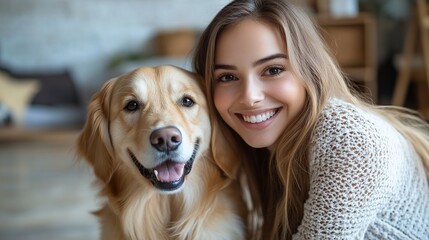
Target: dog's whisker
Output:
{"points": [[188, 166], [144, 130]]}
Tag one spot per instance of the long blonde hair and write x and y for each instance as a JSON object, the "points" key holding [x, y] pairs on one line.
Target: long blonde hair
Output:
{"points": [[283, 178]]}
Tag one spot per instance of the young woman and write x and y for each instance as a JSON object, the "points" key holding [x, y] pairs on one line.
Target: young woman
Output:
{"points": [[322, 163]]}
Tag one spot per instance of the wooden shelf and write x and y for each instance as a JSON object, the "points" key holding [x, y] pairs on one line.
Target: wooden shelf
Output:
{"points": [[26, 134]]}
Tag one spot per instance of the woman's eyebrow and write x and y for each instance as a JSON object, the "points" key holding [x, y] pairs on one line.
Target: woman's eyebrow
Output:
{"points": [[225, 66], [271, 57], [258, 62]]}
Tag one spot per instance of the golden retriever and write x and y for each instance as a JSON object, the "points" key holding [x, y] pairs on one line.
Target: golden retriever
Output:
{"points": [[147, 138]]}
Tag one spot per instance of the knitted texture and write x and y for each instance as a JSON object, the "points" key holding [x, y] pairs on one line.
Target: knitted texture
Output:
{"points": [[366, 181]]}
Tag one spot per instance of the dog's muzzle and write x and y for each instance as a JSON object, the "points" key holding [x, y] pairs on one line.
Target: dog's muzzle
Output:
{"points": [[170, 174]]}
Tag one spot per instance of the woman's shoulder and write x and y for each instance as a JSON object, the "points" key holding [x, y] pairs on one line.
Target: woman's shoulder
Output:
{"points": [[339, 116], [351, 127], [348, 139], [341, 110]]}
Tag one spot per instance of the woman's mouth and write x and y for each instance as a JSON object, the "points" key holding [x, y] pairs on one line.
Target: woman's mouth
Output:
{"points": [[260, 117]]}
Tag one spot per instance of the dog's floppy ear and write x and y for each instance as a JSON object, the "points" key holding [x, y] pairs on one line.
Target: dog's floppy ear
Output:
{"points": [[224, 152], [94, 143]]}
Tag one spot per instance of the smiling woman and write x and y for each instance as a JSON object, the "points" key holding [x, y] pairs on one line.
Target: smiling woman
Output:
{"points": [[321, 161], [254, 91]]}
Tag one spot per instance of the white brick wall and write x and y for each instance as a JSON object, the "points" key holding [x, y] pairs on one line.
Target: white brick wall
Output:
{"points": [[82, 35]]}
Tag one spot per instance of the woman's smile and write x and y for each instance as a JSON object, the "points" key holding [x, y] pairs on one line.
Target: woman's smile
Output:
{"points": [[258, 119], [262, 117]]}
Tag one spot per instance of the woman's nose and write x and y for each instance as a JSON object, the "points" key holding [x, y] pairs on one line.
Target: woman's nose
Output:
{"points": [[252, 91]]}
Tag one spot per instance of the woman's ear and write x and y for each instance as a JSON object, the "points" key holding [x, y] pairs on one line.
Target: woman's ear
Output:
{"points": [[224, 152], [94, 143]]}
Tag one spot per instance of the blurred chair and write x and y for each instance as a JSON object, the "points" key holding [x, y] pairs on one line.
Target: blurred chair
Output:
{"points": [[417, 33]]}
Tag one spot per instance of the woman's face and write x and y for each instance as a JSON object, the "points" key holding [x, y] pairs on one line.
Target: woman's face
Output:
{"points": [[255, 91]]}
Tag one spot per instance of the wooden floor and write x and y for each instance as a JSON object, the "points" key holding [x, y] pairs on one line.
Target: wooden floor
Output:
{"points": [[44, 192]]}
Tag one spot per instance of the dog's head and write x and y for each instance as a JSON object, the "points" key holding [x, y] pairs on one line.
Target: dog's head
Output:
{"points": [[153, 121]]}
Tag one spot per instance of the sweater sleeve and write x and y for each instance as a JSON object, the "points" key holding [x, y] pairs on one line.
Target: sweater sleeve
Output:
{"points": [[348, 176]]}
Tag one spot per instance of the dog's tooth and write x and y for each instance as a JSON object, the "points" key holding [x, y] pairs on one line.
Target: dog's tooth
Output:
{"points": [[156, 174], [181, 171]]}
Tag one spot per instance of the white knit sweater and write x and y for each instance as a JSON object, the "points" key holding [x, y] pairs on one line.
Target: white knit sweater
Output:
{"points": [[366, 181]]}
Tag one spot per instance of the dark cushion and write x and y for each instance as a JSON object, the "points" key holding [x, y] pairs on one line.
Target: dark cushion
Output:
{"points": [[56, 88]]}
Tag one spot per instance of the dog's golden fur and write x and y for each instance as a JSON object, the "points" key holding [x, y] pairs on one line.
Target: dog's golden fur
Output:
{"points": [[208, 205]]}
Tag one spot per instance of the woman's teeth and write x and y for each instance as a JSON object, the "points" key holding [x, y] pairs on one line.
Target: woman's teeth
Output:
{"points": [[259, 118]]}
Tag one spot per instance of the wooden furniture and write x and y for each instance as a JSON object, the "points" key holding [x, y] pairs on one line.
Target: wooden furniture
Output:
{"points": [[353, 42], [11, 134], [177, 43], [416, 46]]}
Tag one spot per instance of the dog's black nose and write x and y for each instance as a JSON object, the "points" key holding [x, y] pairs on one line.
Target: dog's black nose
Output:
{"points": [[166, 139]]}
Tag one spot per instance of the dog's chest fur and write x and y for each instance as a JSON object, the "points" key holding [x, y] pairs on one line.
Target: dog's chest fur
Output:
{"points": [[142, 213]]}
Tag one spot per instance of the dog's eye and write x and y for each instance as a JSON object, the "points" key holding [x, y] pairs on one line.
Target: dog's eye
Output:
{"points": [[132, 106], [187, 102]]}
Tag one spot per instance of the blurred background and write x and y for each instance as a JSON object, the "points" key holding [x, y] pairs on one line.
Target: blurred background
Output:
{"points": [[54, 55]]}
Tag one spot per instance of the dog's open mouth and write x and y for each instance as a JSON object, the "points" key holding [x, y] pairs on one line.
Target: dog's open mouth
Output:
{"points": [[169, 175]]}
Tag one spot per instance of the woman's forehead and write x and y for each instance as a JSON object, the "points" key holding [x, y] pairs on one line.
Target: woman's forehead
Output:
{"points": [[251, 39]]}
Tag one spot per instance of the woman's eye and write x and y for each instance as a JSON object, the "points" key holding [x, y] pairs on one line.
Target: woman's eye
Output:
{"points": [[226, 78], [187, 102], [273, 71], [132, 106]]}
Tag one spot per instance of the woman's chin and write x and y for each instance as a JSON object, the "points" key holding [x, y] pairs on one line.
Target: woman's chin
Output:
{"points": [[259, 143]]}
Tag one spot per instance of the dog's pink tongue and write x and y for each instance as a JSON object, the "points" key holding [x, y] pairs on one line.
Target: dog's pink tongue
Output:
{"points": [[170, 171]]}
